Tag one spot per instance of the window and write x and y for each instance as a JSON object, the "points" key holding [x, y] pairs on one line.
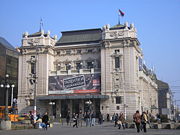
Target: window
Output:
{"points": [[68, 51], [117, 62], [68, 66], [117, 107], [118, 100], [90, 50], [58, 66], [79, 65], [33, 65], [116, 51], [140, 64], [58, 53], [98, 64], [90, 64], [78, 51]]}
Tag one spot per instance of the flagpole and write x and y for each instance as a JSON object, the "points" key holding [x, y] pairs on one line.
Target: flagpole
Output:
{"points": [[118, 19], [120, 14]]}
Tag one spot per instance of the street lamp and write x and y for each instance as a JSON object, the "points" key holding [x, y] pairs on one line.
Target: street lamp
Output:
{"points": [[12, 86], [89, 102], [7, 86], [52, 103]]}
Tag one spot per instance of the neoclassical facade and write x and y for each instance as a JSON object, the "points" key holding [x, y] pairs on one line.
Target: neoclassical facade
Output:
{"points": [[98, 70]]}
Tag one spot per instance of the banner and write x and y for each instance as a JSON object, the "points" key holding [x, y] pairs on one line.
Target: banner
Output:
{"points": [[82, 83]]}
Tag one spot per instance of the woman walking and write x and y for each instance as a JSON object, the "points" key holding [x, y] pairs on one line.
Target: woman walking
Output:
{"points": [[144, 120], [121, 121]]}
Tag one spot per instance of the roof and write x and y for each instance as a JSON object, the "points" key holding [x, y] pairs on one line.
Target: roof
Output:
{"points": [[73, 96], [37, 34], [80, 36], [162, 85], [6, 44], [118, 26]]}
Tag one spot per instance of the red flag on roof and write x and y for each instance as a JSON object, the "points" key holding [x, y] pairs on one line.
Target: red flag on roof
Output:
{"points": [[121, 13]]}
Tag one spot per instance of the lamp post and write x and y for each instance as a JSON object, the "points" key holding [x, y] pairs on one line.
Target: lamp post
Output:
{"points": [[89, 105], [7, 86], [12, 86], [52, 103]]}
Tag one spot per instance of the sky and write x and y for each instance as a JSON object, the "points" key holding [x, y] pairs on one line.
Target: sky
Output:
{"points": [[157, 23]]}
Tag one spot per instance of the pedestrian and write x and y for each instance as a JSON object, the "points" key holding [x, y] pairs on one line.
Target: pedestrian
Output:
{"points": [[45, 120], [115, 119], [158, 118], [100, 118], [31, 118], [108, 117], [87, 118], [137, 120], [75, 120], [149, 117], [93, 119], [121, 121], [80, 118], [144, 120], [68, 118]]}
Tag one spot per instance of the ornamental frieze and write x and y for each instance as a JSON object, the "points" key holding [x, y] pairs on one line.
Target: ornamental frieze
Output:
{"points": [[116, 34], [33, 41]]}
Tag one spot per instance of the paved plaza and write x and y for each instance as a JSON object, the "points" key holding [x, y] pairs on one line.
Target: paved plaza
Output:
{"points": [[105, 129]]}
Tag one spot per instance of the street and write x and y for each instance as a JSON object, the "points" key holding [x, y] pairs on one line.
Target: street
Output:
{"points": [[105, 129]]}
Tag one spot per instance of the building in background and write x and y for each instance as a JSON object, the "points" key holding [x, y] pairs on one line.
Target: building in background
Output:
{"points": [[98, 70], [8, 65], [165, 101]]}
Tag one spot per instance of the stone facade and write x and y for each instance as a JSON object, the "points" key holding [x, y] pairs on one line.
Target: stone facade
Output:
{"points": [[165, 103], [112, 52]]}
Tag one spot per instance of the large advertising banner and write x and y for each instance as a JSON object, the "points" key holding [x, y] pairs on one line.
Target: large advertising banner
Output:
{"points": [[82, 83]]}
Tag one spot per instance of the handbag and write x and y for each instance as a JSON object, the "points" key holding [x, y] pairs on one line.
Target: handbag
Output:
{"points": [[119, 122]]}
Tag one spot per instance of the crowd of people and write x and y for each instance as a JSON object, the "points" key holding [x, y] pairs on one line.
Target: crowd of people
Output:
{"points": [[119, 120], [91, 119], [140, 120], [88, 117], [40, 121]]}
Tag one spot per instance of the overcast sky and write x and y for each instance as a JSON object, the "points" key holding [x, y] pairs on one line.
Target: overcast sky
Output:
{"points": [[157, 23]]}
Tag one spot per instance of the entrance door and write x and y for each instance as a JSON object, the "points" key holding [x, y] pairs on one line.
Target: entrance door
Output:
{"points": [[75, 106], [64, 108]]}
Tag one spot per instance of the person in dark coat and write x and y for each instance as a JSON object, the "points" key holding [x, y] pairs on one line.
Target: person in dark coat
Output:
{"points": [[116, 120], [108, 117], [68, 118], [45, 120]]}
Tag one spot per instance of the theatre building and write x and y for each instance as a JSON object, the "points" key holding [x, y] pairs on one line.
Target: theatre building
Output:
{"points": [[99, 70]]}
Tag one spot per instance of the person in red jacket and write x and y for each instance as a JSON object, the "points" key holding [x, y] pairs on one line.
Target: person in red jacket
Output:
{"points": [[137, 120]]}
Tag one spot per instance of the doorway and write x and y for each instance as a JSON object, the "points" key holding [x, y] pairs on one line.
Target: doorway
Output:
{"points": [[75, 106], [64, 108]]}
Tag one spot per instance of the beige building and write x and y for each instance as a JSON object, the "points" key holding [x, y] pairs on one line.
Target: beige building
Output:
{"points": [[98, 70]]}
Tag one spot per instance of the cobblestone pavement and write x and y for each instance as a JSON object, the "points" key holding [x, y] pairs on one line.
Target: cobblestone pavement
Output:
{"points": [[106, 129]]}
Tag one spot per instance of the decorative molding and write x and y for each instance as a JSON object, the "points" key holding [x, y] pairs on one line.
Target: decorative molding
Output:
{"points": [[33, 42]]}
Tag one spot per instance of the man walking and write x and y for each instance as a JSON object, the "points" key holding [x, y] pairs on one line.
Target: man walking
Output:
{"points": [[45, 120], [137, 120]]}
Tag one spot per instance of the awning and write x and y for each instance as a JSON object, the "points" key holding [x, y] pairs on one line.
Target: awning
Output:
{"points": [[72, 96]]}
